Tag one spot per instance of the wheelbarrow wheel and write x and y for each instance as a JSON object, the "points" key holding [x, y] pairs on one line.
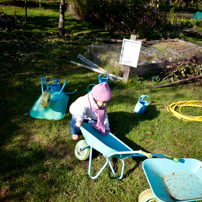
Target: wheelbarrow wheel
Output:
{"points": [[45, 99], [84, 154], [147, 196]]}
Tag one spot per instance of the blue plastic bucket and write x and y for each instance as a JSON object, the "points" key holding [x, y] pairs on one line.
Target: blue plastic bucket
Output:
{"points": [[102, 79], [141, 104]]}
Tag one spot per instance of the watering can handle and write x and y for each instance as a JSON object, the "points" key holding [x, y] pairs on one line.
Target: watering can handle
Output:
{"points": [[55, 79], [89, 86], [103, 74], [142, 97]]}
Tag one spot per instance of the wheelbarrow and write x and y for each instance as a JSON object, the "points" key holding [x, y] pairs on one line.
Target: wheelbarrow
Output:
{"points": [[108, 146], [171, 181], [52, 103], [53, 90]]}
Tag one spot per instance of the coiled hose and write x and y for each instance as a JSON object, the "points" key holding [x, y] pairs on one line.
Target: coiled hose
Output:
{"points": [[193, 103]]}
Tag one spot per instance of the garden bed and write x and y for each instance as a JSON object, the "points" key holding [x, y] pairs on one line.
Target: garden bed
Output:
{"points": [[155, 56]]}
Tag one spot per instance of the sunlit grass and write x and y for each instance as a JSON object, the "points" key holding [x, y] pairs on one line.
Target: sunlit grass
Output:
{"points": [[37, 156]]}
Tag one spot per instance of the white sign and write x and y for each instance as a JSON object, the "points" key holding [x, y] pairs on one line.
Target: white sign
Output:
{"points": [[130, 52]]}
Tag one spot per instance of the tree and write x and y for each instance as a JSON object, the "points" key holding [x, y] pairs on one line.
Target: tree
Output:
{"points": [[25, 11], [61, 19]]}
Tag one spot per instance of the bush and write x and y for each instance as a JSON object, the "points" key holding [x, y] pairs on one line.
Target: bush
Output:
{"points": [[123, 17], [138, 17], [199, 24]]}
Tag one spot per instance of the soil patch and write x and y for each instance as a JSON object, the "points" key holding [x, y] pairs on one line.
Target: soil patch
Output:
{"points": [[155, 56]]}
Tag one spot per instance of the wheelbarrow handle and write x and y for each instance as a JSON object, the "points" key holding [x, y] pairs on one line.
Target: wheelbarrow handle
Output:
{"points": [[133, 153], [43, 80], [148, 155], [171, 158], [68, 93]]}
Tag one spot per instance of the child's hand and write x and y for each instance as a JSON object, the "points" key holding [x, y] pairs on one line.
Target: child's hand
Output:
{"points": [[79, 123]]}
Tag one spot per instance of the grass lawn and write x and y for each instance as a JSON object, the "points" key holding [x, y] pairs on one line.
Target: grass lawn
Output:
{"points": [[37, 156]]}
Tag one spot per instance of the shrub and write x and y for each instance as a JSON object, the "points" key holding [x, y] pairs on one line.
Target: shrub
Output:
{"points": [[199, 24], [123, 17]]}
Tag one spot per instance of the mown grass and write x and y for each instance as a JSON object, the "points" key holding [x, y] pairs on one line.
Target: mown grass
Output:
{"points": [[37, 156]]}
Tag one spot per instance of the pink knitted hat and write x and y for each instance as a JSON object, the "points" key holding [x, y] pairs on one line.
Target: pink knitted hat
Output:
{"points": [[101, 92]]}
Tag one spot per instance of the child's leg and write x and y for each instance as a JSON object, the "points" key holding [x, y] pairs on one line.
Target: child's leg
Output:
{"points": [[74, 130]]}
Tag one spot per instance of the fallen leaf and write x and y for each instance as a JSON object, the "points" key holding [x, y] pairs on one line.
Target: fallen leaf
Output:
{"points": [[148, 141]]}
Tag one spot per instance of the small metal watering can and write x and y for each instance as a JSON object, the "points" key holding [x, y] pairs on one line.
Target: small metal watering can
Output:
{"points": [[56, 84], [103, 79], [141, 104]]}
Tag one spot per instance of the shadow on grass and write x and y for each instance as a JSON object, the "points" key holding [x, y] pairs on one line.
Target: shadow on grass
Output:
{"points": [[21, 154], [50, 24], [115, 161], [123, 122]]}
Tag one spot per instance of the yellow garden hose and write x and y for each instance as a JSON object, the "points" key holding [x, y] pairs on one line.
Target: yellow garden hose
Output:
{"points": [[193, 103]]}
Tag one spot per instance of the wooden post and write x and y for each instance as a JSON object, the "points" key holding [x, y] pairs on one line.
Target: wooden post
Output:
{"points": [[127, 68]]}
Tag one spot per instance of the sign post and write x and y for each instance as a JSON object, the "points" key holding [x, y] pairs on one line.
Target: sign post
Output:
{"points": [[129, 55]]}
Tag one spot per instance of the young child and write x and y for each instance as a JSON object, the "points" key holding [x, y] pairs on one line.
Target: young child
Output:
{"points": [[91, 106]]}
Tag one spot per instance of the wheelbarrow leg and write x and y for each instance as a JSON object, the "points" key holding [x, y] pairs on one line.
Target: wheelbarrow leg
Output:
{"points": [[90, 163], [60, 92], [122, 170], [43, 79]]}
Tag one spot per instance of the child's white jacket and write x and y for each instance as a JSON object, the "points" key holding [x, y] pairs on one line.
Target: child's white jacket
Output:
{"points": [[81, 109]]}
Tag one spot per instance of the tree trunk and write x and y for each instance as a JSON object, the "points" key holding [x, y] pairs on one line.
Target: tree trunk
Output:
{"points": [[39, 3], [25, 12], [61, 19], [197, 7], [186, 5]]}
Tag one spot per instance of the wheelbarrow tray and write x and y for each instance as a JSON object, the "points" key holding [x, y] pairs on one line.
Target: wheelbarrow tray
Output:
{"points": [[106, 145], [174, 181], [55, 110], [109, 146]]}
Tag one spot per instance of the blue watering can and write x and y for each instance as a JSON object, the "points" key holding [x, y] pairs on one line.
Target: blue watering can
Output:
{"points": [[89, 86], [102, 79], [56, 84], [141, 104]]}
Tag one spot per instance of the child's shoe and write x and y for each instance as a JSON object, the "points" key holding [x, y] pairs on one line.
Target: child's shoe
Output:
{"points": [[75, 137]]}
